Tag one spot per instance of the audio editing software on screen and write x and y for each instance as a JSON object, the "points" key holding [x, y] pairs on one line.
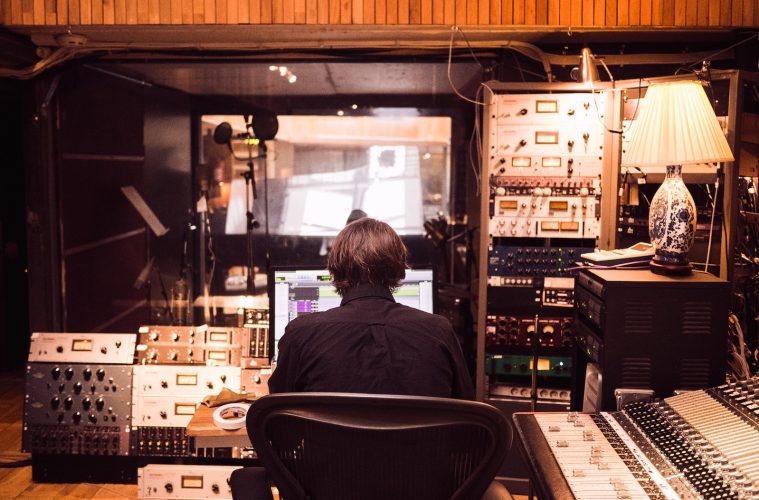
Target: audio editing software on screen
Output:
{"points": [[298, 292]]}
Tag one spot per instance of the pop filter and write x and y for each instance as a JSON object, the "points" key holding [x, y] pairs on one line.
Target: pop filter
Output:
{"points": [[222, 134], [265, 125]]}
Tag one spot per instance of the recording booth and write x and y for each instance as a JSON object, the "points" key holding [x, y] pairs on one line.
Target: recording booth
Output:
{"points": [[575, 184]]}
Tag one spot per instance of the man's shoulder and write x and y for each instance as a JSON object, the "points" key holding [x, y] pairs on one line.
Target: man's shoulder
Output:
{"points": [[412, 314]]}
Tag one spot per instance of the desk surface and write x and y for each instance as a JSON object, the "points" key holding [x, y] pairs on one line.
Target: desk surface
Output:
{"points": [[202, 424], [545, 473]]}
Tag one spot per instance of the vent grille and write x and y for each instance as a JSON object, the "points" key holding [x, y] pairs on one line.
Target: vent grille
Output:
{"points": [[697, 318], [636, 372], [638, 318], [694, 373]]}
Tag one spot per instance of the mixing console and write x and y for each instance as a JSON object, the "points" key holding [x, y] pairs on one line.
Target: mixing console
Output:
{"points": [[695, 445]]}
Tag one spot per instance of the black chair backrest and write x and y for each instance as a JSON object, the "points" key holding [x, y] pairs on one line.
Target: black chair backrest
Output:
{"points": [[328, 446]]}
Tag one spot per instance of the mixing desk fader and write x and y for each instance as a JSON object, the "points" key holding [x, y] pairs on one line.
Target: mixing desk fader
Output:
{"points": [[696, 445]]}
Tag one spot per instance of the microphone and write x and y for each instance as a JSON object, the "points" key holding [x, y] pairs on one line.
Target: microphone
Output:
{"points": [[142, 278]]}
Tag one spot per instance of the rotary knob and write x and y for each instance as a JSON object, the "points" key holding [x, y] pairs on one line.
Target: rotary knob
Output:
{"points": [[68, 373], [169, 487], [163, 414], [55, 402], [500, 191], [100, 374], [164, 384], [209, 384], [154, 336], [87, 373], [175, 337], [92, 418], [215, 488], [77, 417], [173, 356], [56, 373], [86, 403], [78, 387], [99, 403]]}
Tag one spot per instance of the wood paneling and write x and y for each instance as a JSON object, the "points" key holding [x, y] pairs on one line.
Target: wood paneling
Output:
{"points": [[550, 13]]}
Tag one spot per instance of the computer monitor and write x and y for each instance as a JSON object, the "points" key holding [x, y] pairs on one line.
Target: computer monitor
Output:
{"points": [[302, 290]]}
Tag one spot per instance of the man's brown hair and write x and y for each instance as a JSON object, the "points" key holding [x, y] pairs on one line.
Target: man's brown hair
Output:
{"points": [[367, 251]]}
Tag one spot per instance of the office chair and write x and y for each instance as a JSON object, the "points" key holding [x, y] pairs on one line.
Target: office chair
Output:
{"points": [[329, 446]]}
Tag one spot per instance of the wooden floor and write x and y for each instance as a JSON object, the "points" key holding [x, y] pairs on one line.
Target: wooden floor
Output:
{"points": [[16, 482]]}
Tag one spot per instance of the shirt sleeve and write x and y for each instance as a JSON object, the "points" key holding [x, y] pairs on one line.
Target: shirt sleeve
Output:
{"points": [[286, 371], [461, 387]]}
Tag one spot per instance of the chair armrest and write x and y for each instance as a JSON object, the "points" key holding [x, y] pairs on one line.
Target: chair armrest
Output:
{"points": [[250, 483], [497, 491]]}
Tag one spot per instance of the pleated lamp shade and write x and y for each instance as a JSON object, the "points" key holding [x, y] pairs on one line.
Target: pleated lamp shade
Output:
{"points": [[676, 125]]}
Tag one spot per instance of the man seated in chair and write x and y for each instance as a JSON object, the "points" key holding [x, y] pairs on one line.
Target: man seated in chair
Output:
{"points": [[370, 344]]}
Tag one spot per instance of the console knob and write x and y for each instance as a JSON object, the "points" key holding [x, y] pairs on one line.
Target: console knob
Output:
{"points": [[59, 348], [77, 417], [55, 402], [92, 418], [169, 487], [163, 414], [523, 142], [118, 344], [175, 337], [164, 384], [100, 374], [104, 350], [86, 403], [99, 403], [55, 372], [78, 387], [87, 374], [69, 373], [154, 336], [215, 488], [209, 384], [523, 111], [68, 402]]}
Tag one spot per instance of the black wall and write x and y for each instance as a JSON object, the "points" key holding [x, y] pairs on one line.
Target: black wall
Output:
{"points": [[14, 321]]}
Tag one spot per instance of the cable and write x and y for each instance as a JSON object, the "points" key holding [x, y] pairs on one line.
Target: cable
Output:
{"points": [[711, 225], [454, 29], [755, 35], [18, 463]]}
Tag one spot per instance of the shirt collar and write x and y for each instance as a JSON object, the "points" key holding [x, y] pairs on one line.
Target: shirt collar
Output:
{"points": [[367, 290]]}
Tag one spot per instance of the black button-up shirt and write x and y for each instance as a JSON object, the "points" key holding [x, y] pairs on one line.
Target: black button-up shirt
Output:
{"points": [[371, 344]]}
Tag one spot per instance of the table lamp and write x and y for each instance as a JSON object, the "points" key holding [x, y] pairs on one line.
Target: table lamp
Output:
{"points": [[676, 127]]}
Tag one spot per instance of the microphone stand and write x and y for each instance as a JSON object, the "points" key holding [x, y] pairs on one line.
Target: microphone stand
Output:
{"points": [[262, 150], [252, 223]]}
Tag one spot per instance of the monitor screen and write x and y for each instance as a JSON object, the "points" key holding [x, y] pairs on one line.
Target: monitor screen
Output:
{"points": [[305, 291]]}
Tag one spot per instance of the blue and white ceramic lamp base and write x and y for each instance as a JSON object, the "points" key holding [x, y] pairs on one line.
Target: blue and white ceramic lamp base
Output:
{"points": [[672, 224]]}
